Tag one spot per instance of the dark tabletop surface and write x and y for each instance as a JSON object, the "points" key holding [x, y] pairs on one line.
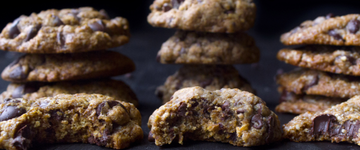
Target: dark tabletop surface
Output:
{"points": [[274, 17]]}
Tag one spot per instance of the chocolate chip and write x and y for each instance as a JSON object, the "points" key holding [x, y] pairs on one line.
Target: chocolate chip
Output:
{"points": [[206, 82], [314, 81], [352, 128], [270, 129], [22, 138], [287, 96], [240, 111], [104, 13], [294, 30], [60, 39], [166, 7], [32, 32], [233, 136], [176, 3], [182, 109], [55, 115], [18, 92], [334, 34], [321, 124], [353, 26], [330, 15], [151, 137], [350, 59], [17, 73], [111, 104], [10, 112], [256, 121], [57, 21], [14, 30], [97, 26]]}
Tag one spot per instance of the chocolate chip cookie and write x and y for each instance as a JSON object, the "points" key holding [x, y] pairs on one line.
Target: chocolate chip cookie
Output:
{"points": [[187, 47], [34, 90], [298, 104], [340, 123], [203, 15], [313, 82], [335, 59], [64, 31], [326, 30], [210, 77], [61, 67], [227, 115], [85, 118]]}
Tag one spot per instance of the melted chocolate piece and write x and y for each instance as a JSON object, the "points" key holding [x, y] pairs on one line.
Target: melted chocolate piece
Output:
{"points": [[10, 112], [57, 21], [256, 121], [32, 33], [24, 89], [353, 26], [14, 30], [104, 13], [151, 137], [166, 7], [314, 81], [22, 138], [336, 35], [97, 26], [322, 124]]}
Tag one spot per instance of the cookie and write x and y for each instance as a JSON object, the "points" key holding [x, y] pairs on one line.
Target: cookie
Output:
{"points": [[62, 67], [335, 59], [227, 115], [34, 90], [340, 123], [65, 118], [326, 30], [313, 82], [187, 47], [203, 15], [64, 31], [298, 104], [210, 77]]}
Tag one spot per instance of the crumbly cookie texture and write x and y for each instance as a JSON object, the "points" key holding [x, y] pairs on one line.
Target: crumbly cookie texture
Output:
{"points": [[62, 67], [65, 118], [203, 15], [210, 77], [32, 91], [340, 123], [227, 115], [64, 31], [298, 104], [187, 47], [313, 82], [335, 59], [326, 30]]}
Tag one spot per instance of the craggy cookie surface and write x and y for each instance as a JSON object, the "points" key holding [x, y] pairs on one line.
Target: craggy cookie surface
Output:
{"points": [[210, 77], [340, 123], [228, 16], [85, 118], [313, 82], [227, 115], [187, 47], [335, 59], [34, 90], [326, 30], [62, 67], [64, 31]]}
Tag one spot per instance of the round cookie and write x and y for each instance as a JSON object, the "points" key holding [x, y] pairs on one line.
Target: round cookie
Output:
{"points": [[210, 77], [335, 59], [64, 31], [34, 90], [62, 67], [187, 47], [326, 30], [203, 15]]}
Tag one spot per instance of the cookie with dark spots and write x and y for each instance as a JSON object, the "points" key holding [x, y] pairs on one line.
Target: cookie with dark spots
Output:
{"points": [[63, 67], [210, 77], [203, 15], [340, 123], [335, 59], [187, 47], [202, 115], [313, 82], [329, 30], [69, 118], [34, 90], [64, 31]]}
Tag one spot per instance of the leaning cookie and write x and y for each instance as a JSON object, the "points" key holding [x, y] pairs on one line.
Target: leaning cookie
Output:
{"points": [[62, 67], [227, 115], [210, 77], [64, 31], [34, 90], [84, 118], [340, 123], [335, 59], [203, 15], [326, 30], [187, 47], [313, 82]]}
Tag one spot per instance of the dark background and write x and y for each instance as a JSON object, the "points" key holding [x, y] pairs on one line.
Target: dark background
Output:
{"points": [[274, 17]]}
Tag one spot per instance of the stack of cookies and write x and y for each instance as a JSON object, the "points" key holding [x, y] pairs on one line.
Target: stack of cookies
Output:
{"points": [[209, 41], [66, 54], [329, 60]]}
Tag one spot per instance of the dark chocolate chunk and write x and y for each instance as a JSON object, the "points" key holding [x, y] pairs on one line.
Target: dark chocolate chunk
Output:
{"points": [[350, 59], [24, 89], [55, 115], [18, 92], [166, 7], [256, 121], [176, 3], [182, 109], [97, 26], [322, 124], [314, 81], [32, 32], [10, 112], [151, 137], [240, 111], [294, 30], [111, 104], [287, 96], [330, 15], [206, 82], [352, 128], [104, 13], [60, 39], [14, 30], [353, 26], [334, 34], [270, 129], [18, 73], [57, 21], [22, 138]]}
